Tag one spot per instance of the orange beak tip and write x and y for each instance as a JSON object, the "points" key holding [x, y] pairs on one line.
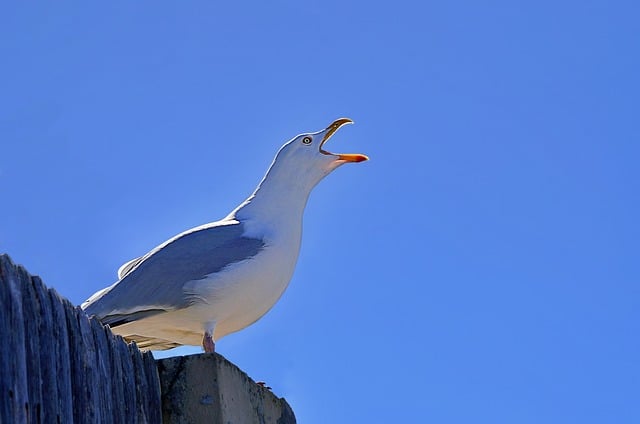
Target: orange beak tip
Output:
{"points": [[353, 157]]}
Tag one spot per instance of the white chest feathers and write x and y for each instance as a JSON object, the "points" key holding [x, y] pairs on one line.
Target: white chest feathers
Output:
{"points": [[244, 291]]}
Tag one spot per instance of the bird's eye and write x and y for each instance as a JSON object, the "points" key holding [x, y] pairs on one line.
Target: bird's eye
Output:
{"points": [[306, 140]]}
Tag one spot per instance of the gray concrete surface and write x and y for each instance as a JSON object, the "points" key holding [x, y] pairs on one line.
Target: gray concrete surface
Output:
{"points": [[206, 388]]}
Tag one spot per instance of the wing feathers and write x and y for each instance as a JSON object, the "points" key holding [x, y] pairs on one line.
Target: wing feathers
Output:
{"points": [[127, 267], [154, 283]]}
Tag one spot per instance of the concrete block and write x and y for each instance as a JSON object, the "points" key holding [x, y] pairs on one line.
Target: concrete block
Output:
{"points": [[206, 388]]}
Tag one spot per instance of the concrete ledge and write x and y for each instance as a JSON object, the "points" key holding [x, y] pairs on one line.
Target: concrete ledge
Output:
{"points": [[206, 388]]}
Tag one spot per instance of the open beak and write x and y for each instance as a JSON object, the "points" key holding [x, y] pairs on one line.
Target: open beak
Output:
{"points": [[329, 131]]}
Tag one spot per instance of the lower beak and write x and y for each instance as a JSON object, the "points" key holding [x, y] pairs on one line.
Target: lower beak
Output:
{"points": [[353, 157]]}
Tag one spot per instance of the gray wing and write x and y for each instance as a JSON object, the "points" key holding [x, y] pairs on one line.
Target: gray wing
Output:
{"points": [[154, 283]]}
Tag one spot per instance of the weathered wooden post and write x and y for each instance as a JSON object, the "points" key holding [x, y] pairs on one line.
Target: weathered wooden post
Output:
{"points": [[56, 365]]}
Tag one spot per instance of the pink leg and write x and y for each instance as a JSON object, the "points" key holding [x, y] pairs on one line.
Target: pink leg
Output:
{"points": [[207, 343]]}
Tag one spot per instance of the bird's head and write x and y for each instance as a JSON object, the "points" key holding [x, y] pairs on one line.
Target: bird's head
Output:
{"points": [[305, 160], [299, 165]]}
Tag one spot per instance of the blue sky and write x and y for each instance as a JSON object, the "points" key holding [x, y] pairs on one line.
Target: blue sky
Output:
{"points": [[482, 267]]}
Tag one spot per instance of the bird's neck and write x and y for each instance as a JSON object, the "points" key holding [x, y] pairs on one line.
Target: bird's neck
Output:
{"points": [[277, 205]]}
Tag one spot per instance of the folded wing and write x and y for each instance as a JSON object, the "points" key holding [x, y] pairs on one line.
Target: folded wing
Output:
{"points": [[154, 283]]}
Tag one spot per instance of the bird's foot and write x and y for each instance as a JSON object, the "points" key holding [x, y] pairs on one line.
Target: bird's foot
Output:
{"points": [[208, 344]]}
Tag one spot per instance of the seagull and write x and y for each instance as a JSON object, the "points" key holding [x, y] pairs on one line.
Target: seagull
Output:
{"points": [[221, 277]]}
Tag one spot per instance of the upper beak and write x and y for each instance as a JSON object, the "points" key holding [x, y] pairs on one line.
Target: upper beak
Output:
{"points": [[329, 131]]}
